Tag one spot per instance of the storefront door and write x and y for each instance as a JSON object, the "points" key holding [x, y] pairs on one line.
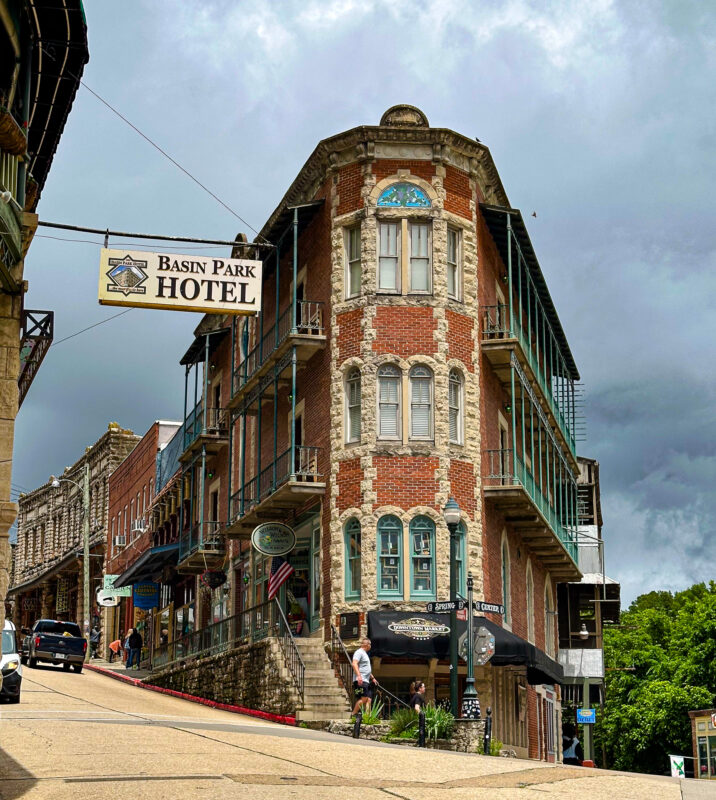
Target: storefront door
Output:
{"points": [[303, 600]]}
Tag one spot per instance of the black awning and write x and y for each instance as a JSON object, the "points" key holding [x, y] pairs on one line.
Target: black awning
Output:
{"points": [[197, 351], [413, 634], [149, 564]]}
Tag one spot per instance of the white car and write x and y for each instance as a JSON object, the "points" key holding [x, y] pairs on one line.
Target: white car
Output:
{"points": [[10, 666]]}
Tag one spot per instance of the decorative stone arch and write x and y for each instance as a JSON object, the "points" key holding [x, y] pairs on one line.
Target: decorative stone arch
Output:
{"points": [[388, 358], [427, 188]]}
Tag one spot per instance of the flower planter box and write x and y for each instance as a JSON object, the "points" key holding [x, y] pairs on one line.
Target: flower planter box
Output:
{"points": [[12, 136]]}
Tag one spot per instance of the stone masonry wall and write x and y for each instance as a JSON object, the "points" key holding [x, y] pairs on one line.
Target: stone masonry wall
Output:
{"points": [[251, 676]]}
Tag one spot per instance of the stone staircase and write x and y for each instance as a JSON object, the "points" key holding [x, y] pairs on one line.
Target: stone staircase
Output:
{"points": [[324, 696]]}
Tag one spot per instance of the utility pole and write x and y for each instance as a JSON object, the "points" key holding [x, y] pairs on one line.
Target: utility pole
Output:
{"points": [[86, 550]]}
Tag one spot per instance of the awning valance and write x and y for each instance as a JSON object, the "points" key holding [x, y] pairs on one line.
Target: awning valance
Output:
{"points": [[149, 564], [413, 634]]}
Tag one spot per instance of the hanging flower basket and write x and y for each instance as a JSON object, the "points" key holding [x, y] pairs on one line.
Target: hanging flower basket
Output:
{"points": [[12, 137], [213, 578]]}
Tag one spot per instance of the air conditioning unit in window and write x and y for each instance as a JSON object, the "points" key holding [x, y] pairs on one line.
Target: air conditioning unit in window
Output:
{"points": [[120, 540], [138, 526]]}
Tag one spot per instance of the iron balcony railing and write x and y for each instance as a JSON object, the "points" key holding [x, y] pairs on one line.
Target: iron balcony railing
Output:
{"points": [[507, 469], [303, 468], [496, 325], [252, 625], [216, 423], [204, 536], [309, 321], [8, 172]]}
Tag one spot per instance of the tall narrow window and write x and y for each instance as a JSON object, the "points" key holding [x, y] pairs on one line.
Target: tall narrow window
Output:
{"points": [[506, 580], [548, 620], [422, 557], [354, 269], [389, 402], [530, 592], [353, 551], [453, 264], [390, 557], [455, 405], [420, 277], [389, 259], [353, 406], [421, 403]]}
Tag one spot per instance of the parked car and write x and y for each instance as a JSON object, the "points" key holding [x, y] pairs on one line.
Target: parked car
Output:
{"points": [[54, 642], [10, 666]]}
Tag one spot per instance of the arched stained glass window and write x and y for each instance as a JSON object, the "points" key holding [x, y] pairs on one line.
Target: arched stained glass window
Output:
{"points": [[403, 195]]}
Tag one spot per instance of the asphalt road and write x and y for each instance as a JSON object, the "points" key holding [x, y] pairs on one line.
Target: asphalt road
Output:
{"points": [[75, 736]]}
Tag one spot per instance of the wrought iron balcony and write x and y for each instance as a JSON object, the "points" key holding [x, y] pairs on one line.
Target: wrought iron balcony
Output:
{"points": [[210, 430], [551, 532], [201, 547], [499, 340], [284, 483], [308, 335]]}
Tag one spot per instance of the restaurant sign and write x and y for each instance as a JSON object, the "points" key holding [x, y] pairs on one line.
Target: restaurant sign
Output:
{"points": [[179, 283], [273, 539], [109, 588]]}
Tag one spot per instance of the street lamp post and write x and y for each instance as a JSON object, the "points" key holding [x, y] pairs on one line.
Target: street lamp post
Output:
{"points": [[84, 488], [451, 514], [470, 700]]}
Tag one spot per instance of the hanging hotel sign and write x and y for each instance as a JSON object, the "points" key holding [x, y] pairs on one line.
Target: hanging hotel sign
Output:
{"points": [[273, 539], [179, 282]]}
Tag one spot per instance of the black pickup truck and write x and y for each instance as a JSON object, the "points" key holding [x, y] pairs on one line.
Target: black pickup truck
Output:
{"points": [[54, 642]]}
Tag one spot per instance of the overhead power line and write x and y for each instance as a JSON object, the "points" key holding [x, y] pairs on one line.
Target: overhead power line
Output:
{"points": [[89, 327]]}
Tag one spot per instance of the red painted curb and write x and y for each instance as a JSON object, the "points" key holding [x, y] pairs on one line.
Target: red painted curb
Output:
{"points": [[249, 712]]}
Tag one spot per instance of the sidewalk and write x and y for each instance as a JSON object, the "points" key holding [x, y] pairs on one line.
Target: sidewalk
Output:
{"points": [[118, 668]]}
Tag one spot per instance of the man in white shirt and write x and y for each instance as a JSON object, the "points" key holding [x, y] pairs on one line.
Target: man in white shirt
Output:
{"points": [[363, 685]]}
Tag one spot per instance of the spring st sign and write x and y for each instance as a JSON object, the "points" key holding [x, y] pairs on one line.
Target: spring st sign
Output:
{"points": [[178, 282]]}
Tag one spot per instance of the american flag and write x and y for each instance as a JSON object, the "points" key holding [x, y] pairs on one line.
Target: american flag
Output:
{"points": [[281, 571]]}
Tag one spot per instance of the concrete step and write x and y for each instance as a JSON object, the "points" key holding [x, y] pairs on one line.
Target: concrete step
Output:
{"points": [[309, 715]]}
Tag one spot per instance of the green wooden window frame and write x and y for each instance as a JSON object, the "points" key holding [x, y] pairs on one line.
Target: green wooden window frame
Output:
{"points": [[352, 538], [390, 557], [422, 558]]}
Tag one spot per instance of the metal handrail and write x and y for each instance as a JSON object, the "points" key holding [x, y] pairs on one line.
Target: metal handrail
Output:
{"points": [[291, 655], [342, 668]]}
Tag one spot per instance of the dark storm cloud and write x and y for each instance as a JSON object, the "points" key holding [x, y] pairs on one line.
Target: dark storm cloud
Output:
{"points": [[599, 116]]}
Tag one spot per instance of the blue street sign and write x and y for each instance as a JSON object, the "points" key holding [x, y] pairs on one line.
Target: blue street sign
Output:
{"points": [[586, 716]]}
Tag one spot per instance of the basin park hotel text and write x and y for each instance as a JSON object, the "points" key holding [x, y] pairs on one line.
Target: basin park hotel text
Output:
{"points": [[407, 351]]}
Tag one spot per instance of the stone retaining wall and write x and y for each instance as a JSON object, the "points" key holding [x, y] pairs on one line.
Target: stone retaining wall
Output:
{"points": [[252, 676]]}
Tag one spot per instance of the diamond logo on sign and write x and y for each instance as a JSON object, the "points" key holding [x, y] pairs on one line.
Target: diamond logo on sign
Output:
{"points": [[127, 276]]}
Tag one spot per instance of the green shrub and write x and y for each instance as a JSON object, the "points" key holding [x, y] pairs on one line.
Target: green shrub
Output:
{"points": [[403, 719], [375, 715], [495, 747], [439, 723]]}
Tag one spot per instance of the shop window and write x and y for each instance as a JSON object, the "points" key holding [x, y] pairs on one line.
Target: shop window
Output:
{"points": [[421, 403], [455, 407], [389, 426], [390, 557], [353, 263], [422, 557], [353, 406], [353, 554]]}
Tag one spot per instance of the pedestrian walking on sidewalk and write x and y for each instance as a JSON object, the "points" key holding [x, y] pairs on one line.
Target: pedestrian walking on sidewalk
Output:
{"points": [[126, 646], [135, 649], [364, 683], [417, 696], [572, 752], [94, 641]]}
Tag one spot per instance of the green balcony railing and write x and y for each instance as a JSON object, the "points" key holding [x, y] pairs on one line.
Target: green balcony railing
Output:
{"points": [[309, 321], [204, 536], [216, 423], [8, 172], [496, 325], [304, 468], [505, 468]]}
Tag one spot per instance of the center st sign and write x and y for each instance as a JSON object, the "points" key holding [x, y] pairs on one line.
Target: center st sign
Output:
{"points": [[179, 282]]}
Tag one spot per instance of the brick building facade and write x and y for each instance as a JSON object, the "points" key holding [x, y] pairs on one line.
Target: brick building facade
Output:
{"points": [[49, 571]]}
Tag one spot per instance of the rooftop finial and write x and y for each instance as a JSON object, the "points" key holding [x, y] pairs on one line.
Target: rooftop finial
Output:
{"points": [[405, 117]]}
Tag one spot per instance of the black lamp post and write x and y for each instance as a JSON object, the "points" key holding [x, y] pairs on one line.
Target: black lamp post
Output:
{"points": [[470, 700], [451, 514]]}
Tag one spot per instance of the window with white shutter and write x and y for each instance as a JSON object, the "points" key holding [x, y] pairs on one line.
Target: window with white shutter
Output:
{"points": [[353, 277], [353, 406], [420, 271], [389, 257], [389, 402], [453, 264], [455, 407], [421, 403]]}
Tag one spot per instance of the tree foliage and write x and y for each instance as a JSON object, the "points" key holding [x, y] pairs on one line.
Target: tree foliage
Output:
{"points": [[661, 664]]}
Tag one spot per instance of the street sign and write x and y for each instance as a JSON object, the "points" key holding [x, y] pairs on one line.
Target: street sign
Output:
{"points": [[462, 615], [484, 647], [586, 716], [445, 605], [488, 608]]}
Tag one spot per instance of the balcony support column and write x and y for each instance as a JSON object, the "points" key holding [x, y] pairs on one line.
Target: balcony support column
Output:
{"points": [[293, 402], [202, 479], [514, 420], [275, 427], [206, 383], [258, 446], [186, 392], [294, 328], [509, 289], [278, 297], [242, 467]]}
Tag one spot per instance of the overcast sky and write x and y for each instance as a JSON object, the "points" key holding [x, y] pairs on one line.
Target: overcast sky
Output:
{"points": [[599, 115]]}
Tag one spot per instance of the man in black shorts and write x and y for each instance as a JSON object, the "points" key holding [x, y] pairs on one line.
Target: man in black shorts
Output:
{"points": [[364, 683]]}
